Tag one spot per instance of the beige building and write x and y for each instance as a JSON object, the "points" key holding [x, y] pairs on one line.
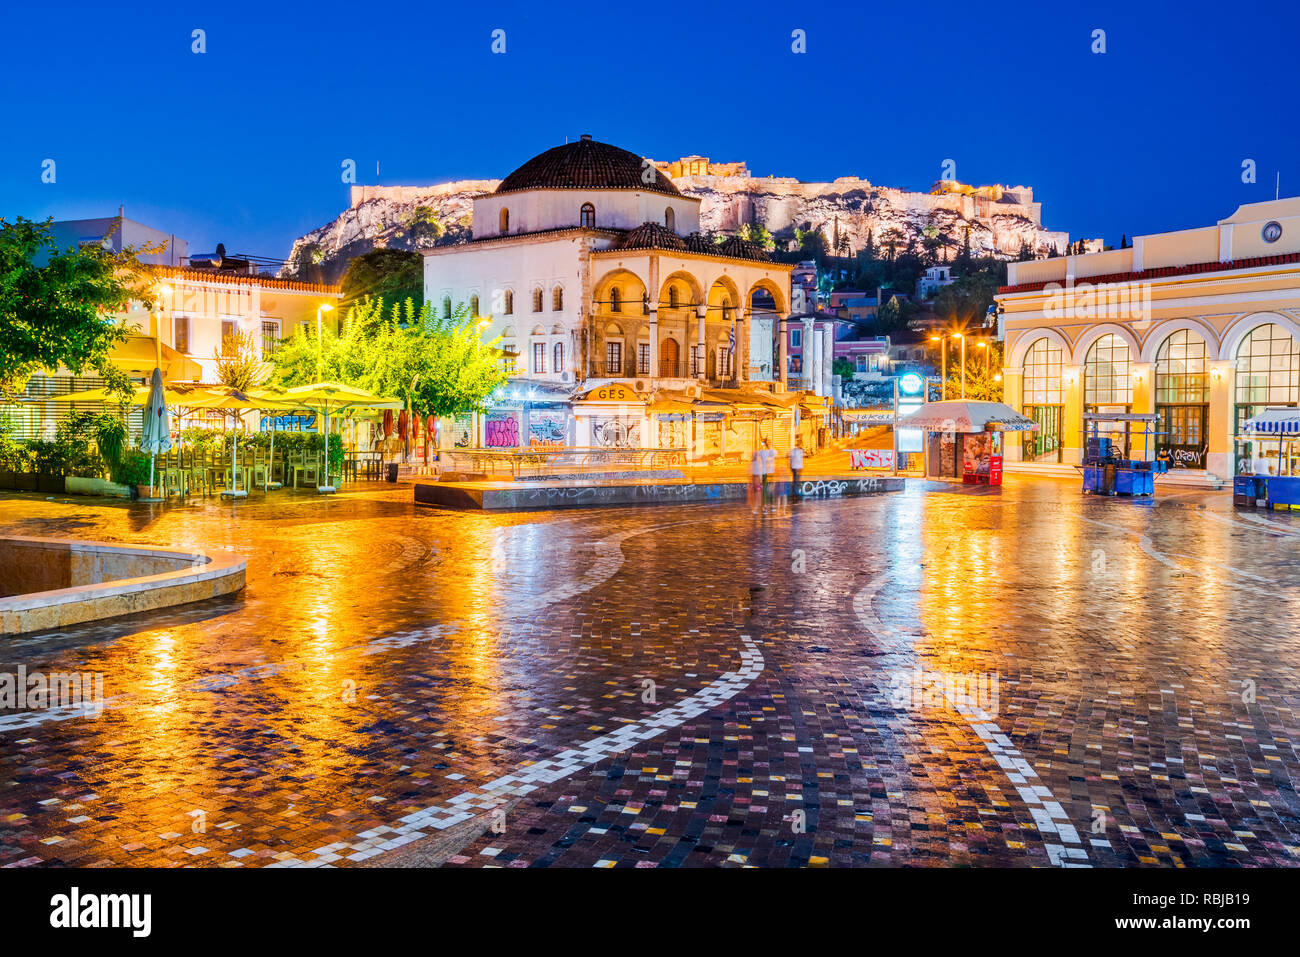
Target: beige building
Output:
{"points": [[1201, 326]]}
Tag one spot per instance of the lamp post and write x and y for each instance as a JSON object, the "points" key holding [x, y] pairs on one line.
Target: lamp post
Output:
{"points": [[958, 335], [985, 346], [943, 365]]}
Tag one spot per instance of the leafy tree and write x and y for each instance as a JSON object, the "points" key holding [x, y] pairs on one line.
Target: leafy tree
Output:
{"points": [[436, 366], [56, 305], [891, 239], [843, 368], [394, 275], [424, 227], [239, 361]]}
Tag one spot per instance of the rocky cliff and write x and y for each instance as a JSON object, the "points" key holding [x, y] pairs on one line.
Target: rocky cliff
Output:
{"points": [[999, 219]]}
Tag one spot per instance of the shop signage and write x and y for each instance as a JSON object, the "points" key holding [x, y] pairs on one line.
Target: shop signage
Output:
{"points": [[612, 393]]}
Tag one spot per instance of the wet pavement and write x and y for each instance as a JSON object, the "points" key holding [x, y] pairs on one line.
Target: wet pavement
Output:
{"points": [[681, 686]]}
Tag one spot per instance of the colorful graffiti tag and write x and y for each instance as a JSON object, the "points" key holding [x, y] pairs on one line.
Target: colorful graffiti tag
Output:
{"points": [[501, 430]]}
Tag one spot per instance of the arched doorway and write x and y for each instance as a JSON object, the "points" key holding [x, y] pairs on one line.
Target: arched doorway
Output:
{"points": [[668, 359], [1268, 374], [1183, 399], [1043, 400], [1108, 386]]}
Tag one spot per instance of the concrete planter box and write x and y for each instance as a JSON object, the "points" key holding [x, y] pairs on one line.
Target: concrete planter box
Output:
{"points": [[75, 485], [31, 482]]}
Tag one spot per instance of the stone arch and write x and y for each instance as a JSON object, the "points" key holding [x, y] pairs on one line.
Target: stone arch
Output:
{"points": [[613, 329], [1162, 331], [1242, 327], [684, 282], [779, 297], [1016, 359], [1093, 333], [723, 291], [630, 292], [539, 330]]}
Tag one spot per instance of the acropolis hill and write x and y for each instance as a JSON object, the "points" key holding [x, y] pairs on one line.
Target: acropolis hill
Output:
{"points": [[1000, 218]]}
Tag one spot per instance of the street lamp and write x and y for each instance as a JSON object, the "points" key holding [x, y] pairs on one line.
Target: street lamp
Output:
{"points": [[958, 335], [320, 346], [943, 365]]}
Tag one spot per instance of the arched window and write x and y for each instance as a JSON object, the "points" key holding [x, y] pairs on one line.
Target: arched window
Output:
{"points": [[446, 307], [588, 215], [1107, 382], [557, 299], [672, 297], [1043, 400], [559, 357], [505, 220], [726, 308], [670, 218], [615, 300], [1182, 398], [473, 307], [1182, 374], [1268, 373], [509, 305], [537, 299]]}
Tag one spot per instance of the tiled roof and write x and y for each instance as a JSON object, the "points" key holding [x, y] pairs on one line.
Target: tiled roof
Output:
{"points": [[587, 164], [1162, 272], [214, 275], [652, 236], [737, 248]]}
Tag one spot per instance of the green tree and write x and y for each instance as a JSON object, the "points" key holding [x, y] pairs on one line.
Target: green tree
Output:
{"points": [[436, 366], [394, 275], [239, 361], [56, 305], [424, 228]]}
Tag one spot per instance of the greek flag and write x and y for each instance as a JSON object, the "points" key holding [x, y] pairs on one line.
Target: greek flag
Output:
{"points": [[731, 346]]}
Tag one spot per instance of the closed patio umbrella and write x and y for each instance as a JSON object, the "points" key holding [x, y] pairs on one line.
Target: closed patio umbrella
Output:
{"points": [[156, 436]]}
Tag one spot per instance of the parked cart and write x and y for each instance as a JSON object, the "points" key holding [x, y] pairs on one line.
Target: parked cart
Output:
{"points": [[1108, 469]]}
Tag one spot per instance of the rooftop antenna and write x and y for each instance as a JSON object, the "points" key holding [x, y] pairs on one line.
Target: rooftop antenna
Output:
{"points": [[1277, 190]]}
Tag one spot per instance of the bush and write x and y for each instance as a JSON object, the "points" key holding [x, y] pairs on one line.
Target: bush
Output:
{"points": [[131, 469], [15, 456]]}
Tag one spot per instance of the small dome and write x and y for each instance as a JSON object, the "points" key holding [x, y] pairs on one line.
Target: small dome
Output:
{"points": [[737, 248], [651, 236], [587, 164]]}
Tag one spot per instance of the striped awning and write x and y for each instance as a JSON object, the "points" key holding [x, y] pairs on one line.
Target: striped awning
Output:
{"points": [[1276, 421]]}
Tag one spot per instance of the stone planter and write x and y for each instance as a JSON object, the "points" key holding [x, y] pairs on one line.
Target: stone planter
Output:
{"points": [[18, 481], [75, 485]]}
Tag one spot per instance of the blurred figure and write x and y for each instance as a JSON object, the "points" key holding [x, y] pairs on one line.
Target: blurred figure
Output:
{"points": [[756, 481], [796, 467]]}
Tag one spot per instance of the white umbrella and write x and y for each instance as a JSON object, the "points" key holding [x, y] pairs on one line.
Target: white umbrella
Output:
{"points": [[156, 436], [965, 416]]}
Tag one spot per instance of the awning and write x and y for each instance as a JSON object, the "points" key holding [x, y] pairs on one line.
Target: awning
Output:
{"points": [[139, 354], [963, 416], [1275, 421]]}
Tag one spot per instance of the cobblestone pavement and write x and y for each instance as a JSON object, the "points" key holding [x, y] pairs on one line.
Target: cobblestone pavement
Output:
{"points": [[391, 673]]}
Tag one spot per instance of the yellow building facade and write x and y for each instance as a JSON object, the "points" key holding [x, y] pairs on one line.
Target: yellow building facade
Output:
{"points": [[1201, 326]]}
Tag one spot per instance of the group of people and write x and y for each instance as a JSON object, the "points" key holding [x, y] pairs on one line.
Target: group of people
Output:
{"points": [[762, 470]]}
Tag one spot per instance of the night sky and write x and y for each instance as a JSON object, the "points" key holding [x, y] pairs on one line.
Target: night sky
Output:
{"points": [[243, 144]]}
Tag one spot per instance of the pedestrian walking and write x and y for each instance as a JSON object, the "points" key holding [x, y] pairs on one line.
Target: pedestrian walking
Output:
{"points": [[768, 457], [796, 467], [756, 464]]}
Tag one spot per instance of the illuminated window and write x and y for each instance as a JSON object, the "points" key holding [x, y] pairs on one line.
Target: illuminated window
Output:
{"points": [[588, 215], [505, 220], [1107, 376], [1182, 375], [1042, 378]]}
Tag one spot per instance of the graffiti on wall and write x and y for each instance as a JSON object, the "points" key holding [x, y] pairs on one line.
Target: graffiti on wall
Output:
{"points": [[501, 430], [616, 432], [546, 429], [462, 431]]}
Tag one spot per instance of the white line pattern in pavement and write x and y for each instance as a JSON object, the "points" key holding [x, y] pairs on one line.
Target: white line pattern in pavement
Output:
{"points": [[468, 804], [1049, 816]]}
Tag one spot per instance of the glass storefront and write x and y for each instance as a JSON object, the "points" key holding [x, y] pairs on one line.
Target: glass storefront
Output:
{"points": [[1182, 400], [1108, 386], [1268, 374], [1043, 400]]}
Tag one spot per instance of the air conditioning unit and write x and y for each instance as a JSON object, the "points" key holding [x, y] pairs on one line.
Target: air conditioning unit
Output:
{"points": [[566, 376], [641, 385], [694, 390]]}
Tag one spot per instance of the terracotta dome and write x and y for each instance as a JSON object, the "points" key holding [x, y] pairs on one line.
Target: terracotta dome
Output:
{"points": [[651, 236], [586, 164]]}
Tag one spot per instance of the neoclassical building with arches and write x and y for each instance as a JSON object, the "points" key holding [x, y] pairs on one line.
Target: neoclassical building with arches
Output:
{"points": [[588, 264], [1201, 326]]}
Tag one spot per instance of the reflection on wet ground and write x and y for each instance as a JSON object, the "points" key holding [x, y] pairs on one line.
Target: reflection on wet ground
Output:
{"points": [[388, 666]]}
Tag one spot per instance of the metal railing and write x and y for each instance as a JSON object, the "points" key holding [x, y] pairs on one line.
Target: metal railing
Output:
{"points": [[541, 463]]}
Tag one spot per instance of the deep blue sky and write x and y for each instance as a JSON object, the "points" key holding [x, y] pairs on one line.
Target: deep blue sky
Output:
{"points": [[243, 144]]}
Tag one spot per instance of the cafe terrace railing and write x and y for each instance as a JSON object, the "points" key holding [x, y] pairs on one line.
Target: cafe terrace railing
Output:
{"points": [[570, 460]]}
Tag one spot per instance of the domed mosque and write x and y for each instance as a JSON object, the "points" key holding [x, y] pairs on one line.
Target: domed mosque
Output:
{"points": [[588, 265]]}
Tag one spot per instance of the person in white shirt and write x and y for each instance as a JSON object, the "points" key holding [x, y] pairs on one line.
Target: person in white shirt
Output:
{"points": [[796, 467], [756, 464]]}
